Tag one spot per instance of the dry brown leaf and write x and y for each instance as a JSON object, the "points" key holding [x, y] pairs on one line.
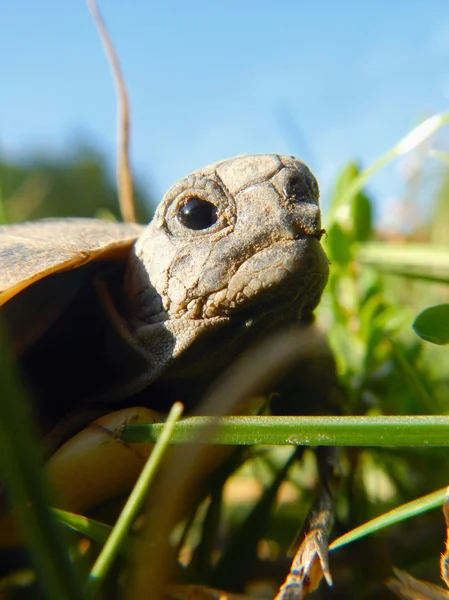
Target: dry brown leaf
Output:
{"points": [[444, 561], [311, 562], [308, 568], [409, 588]]}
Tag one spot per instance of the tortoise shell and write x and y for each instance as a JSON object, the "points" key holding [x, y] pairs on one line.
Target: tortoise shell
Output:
{"points": [[101, 312]]}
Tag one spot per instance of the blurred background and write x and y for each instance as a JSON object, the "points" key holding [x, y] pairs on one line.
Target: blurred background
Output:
{"points": [[326, 81]]}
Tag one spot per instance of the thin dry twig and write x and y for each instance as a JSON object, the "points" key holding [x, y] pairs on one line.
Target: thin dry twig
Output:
{"points": [[311, 563], [444, 560], [124, 175]]}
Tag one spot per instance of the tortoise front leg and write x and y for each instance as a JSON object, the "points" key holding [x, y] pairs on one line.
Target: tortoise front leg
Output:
{"points": [[92, 466], [69, 425]]}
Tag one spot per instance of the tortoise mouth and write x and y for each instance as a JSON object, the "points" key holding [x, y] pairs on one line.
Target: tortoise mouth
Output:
{"points": [[290, 273]]}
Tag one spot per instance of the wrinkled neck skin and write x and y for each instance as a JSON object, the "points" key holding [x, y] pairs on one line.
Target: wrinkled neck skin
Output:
{"points": [[196, 298]]}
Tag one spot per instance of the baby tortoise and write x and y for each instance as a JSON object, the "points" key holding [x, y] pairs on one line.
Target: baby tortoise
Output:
{"points": [[103, 315]]}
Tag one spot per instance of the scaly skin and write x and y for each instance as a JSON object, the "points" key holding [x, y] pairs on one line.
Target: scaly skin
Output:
{"points": [[196, 298]]}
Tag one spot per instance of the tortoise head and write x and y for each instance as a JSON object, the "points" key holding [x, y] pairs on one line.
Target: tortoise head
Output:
{"points": [[237, 242]]}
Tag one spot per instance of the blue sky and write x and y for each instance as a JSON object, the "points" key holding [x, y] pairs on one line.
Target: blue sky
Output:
{"points": [[325, 80]]}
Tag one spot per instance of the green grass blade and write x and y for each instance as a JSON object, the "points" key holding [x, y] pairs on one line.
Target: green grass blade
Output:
{"points": [[23, 475], [418, 135], [411, 378], [422, 261], [306, 431], [133, 505], [406, 511], [94, 530]]}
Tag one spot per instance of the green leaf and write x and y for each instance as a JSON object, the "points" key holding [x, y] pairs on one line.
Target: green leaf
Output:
{"points": [[346, 177], [339, 245], [362, 217], [432, 324]]}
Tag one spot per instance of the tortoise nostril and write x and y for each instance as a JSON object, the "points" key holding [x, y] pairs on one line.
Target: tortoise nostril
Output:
{"points": [[296, 190], [303, 223]]}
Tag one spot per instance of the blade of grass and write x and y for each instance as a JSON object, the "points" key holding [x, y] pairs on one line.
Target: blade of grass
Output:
{"points": [[413, 139], [417, 276], [133, 505], [411, 377], [406, 511], [305, 431], [29, 497], [94, 530], [422, 261]]}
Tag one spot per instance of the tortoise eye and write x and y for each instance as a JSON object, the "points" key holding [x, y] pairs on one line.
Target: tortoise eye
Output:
{"points": [[296, 189], [197, 214]]}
